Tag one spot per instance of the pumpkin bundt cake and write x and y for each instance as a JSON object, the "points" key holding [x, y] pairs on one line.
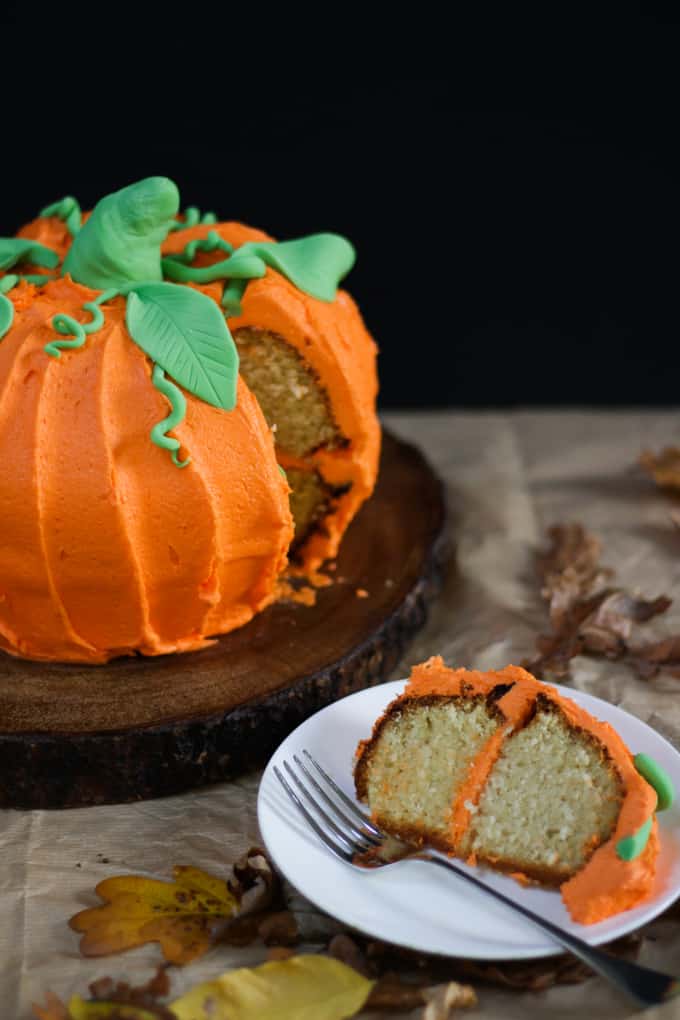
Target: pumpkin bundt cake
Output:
{"points": [[500, 769], [114, 375]]}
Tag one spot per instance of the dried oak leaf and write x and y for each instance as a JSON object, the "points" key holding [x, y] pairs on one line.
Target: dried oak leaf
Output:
{"points": [[185, 916], [664, 467], [299, 988]]}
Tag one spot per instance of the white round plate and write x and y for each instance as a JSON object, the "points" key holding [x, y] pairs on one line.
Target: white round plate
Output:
{"points": [[415, 904]]}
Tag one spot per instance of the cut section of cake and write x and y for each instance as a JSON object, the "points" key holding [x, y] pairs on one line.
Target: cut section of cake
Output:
{"points": [[500, 769], [311, 365]]}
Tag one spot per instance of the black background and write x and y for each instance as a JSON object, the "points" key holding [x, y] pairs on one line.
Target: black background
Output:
{"points": [[511, 189]]}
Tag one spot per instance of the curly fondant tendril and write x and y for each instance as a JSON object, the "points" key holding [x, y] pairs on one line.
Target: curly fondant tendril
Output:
{"points": [[211, 242], [7, 282], [179, 407], [68, 326], [68, 210], [193, 217]]}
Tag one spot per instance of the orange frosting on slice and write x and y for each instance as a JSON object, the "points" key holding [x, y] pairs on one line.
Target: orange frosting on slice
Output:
{"points": [[108, 548], [606, 885], [332, 339]]}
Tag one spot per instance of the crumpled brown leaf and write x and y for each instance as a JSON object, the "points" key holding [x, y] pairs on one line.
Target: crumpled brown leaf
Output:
{"points": [[649, 660], [442, 999], [664, 467], [111, 1000], [588, 615]]}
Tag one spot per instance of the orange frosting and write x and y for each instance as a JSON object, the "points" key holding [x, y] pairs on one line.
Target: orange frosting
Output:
{"points": [[606, 885], [332, 339], [50, 231], [108, 548]]}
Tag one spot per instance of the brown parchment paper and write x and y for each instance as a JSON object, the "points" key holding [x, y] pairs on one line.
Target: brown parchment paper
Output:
{"points": [[508, 477]]}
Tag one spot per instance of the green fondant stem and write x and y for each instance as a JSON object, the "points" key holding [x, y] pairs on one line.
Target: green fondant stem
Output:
{"points": [[631, 847], [66, 325], [178, 405]]}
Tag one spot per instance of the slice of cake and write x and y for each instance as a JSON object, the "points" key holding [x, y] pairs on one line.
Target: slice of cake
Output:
{"points": [[498, 768]]}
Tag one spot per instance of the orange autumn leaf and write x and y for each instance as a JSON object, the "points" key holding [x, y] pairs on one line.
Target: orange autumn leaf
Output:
{"points": [[54, 1009], [664, 467], [185, 916]]}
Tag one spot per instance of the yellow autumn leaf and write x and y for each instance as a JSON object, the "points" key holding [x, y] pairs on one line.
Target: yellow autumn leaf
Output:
{"points": [[80, 1009], [184, 916], [300, 988]]}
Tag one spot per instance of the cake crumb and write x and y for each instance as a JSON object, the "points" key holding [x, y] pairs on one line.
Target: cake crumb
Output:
{"points": [[361, 593]]}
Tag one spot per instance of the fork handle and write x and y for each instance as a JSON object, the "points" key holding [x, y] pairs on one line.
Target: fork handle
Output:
{"points": [[648, 987]]}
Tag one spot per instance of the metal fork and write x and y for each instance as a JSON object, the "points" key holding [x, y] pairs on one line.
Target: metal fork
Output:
{"points": [[348, 834]]}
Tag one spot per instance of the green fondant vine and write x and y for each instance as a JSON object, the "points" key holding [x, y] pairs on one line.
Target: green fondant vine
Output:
{"points": [[68, 210], [313, 264], [178, 404], [67, 326]]}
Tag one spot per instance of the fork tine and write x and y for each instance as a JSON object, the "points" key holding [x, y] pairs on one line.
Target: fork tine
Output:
{"points": [[334, 847], [345, 799], [357, 831], [355, 845]]}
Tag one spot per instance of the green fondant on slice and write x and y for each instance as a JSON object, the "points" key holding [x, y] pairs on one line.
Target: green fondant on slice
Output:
{"points": [[658, 778], [20, 249], [185, 333], [631, 847], [120, 243]]}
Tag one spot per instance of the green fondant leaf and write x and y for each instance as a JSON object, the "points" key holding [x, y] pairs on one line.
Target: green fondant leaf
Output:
{"points": [[21, 249], [314, 264], [185, 333], [6, 315]]}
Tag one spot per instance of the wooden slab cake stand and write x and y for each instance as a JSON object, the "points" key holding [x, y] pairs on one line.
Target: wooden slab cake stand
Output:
{"points": [[73, 735]]}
